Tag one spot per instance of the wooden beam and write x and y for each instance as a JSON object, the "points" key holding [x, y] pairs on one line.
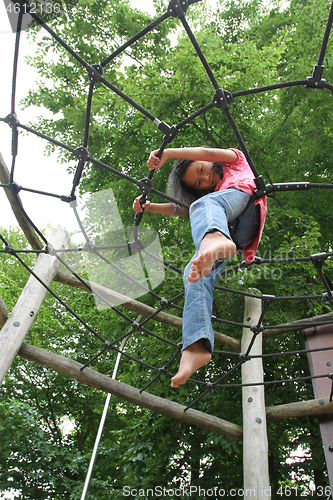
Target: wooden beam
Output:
{"points": [[28, 304], [143, 309], [297, 325], [311, 408], [175, 321], [300, 409], [4, 313], [102, 382], [255, 444], [21, 219]]}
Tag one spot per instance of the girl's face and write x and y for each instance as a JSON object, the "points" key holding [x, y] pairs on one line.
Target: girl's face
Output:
{"points": [[201, 175]]}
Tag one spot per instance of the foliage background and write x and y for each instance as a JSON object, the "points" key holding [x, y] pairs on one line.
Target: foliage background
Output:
{"points": [[48, 422]]}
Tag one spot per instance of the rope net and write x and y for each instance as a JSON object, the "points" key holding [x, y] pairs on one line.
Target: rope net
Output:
{"points": [[120, 267]]}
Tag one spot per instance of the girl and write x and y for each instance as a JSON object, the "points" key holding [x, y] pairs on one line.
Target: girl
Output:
{"points": [[218, 184]]}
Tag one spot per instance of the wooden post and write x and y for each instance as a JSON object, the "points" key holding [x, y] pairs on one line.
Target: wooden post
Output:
{"points": [[255, 445], [321, 363], [17, 326]]}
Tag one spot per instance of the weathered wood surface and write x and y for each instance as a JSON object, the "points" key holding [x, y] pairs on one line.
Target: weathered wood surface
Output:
{"points": [[26, 309], [4, 313], [292, 410], [320, 341], [311, 408], [255, 444], [20, 217], [143, 309], [297, 325], [102, 382]]}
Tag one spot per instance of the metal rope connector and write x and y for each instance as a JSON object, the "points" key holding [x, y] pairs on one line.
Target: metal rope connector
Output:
{"points": [[178, 8], [315, 81], [222, 99], [244, 357], [145, 185], [95, 72], [11, 119], [82, 153]]}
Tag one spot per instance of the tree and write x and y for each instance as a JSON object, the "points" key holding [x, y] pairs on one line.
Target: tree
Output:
{"points": [[288, 135]]}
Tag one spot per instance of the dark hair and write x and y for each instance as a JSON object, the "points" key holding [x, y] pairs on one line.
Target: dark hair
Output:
{"points": [[179, 190]]}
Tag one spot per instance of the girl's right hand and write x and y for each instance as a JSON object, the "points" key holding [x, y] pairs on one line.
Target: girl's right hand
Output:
{"points": [[137, 205]]}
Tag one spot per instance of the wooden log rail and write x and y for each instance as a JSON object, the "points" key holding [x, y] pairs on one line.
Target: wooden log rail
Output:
{"points": [[26, 309]]}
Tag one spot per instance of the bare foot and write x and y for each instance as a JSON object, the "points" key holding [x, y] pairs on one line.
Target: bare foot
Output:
{"points": [[194, 357], [214, 246]]}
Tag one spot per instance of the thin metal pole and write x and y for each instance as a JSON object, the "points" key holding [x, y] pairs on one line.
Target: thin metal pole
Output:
{"points": [[101, 425]]}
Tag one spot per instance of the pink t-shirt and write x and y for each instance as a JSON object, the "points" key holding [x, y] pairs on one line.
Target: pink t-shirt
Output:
{"points": [[239, 175]]}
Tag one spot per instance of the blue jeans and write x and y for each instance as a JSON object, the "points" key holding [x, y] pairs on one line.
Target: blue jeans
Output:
{"points": [[214, 211]]}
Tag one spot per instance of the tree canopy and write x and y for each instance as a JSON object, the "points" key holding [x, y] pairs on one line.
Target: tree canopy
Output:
{"points": [[48, 421]]}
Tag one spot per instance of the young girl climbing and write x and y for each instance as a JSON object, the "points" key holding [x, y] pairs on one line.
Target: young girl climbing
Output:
{"points": [[218, 184]]}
